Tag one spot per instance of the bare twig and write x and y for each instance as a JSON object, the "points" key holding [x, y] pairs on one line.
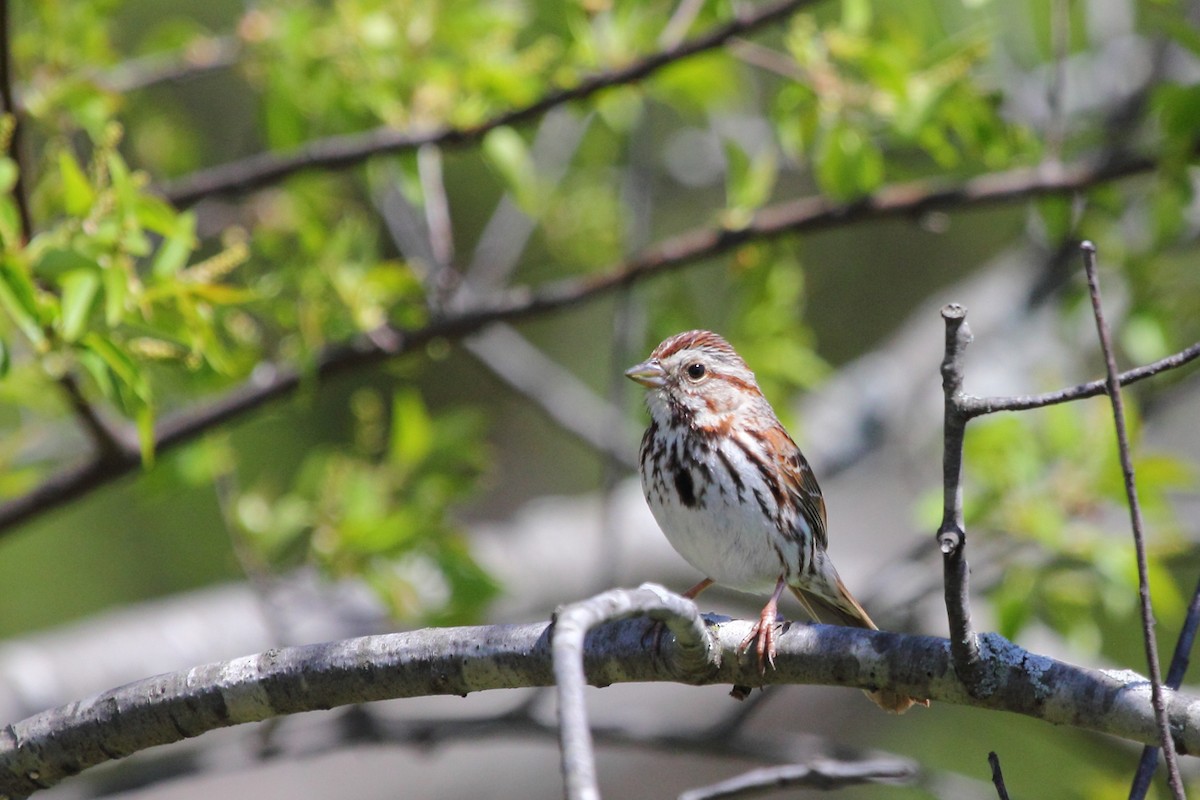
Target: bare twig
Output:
{"points": [[997, 776], [765, 58], [952, 535], [681, 19], [1179, 664], [978, 406], [20, 195], [1135, 514], [343, 151], [438, 224], [825, 775], [693, 646]]}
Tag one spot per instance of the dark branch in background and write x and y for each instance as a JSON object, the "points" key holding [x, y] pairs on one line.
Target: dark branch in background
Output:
{"points": [[902, 200], [42, 750], [952, 535], [1113, 383], [10, 106], [997, 776], [1178, 668], [343, 151]]}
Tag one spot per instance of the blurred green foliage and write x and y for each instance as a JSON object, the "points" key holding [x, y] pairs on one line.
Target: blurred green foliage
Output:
{"points": [[380, 510]]}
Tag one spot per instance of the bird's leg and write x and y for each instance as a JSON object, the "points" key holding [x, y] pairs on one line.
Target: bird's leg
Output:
{"points": [[763, 632], [694, 592], [655, 632]]}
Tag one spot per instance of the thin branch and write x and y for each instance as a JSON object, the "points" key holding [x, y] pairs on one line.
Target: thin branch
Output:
{"points": [[757, 55], [904, 200], [201, 56], [42, 750], [825, 775], [694, 649], [343, 151], [1179, 664], [978, 406], [20, 196], [997, 776], [681, 19], [952, 535], [1135, 515], [272, 382], [438, 225]]}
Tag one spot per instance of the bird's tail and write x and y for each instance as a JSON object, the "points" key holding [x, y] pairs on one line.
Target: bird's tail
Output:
{"points": [[840, 608]]}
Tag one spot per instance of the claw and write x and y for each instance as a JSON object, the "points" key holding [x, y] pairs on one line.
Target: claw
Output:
{"points": [[763, 632], [653, 636], [763, 637]]}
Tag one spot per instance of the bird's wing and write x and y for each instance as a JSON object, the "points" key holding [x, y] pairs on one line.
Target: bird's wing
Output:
{"points": [[799, 481]]}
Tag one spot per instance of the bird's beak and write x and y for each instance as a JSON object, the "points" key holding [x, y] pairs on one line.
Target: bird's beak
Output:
{"points": [[648, 373]]}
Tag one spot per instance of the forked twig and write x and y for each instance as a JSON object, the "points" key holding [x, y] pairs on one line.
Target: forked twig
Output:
{"points": [[694, 646], [952, 535]]}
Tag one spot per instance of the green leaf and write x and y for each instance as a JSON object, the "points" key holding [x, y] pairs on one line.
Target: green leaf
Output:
{"points": [[56, 263], [18, 296], [412, 429], [5, 359], [116, 291], [101, 375], [180, 241], [749, 181], [78, 298], [8, 175], [856, 16], [78, 194], [122, 365]]}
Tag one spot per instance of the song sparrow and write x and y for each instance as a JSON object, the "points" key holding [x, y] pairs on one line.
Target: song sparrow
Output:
{"points": [[732, 491]]}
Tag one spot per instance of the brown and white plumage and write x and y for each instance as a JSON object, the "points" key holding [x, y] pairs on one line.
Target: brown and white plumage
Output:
{"points": [[732, 491]]}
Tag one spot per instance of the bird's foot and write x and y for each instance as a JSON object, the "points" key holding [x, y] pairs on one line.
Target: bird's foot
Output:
{"points": [[763, 637]]}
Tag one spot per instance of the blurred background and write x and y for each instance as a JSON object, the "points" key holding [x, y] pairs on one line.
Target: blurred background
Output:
{"points": [[925, 151]]}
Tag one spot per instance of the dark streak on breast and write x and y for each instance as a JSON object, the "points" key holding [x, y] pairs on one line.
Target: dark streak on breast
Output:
{"points": [[683, 484]]}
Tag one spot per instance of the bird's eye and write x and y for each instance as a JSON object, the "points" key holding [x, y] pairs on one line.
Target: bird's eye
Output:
{"points": [[696, 371]]}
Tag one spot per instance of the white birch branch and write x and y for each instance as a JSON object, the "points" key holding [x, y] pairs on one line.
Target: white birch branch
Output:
{"points": [[42, 750]]}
